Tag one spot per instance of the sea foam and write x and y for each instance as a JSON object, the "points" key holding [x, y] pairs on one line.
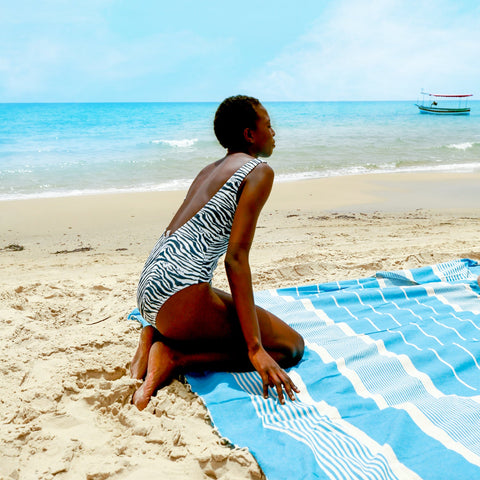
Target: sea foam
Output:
{"points": [[461, 146], [186, 142]]}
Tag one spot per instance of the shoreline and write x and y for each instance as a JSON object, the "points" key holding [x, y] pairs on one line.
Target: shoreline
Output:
{"points": [[399, 176], [151, 211], [66, 344]]}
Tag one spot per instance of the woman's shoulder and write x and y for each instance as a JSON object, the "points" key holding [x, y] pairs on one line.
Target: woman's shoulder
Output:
{"points": [[262, 172], [204, 173], [258, 183], [207, 170]]}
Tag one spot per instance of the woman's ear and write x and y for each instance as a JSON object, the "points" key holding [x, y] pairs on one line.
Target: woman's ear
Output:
{"points": [[248, 135]]}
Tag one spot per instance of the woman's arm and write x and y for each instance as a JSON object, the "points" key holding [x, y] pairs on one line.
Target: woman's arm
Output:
{"points": [[255, 193]]}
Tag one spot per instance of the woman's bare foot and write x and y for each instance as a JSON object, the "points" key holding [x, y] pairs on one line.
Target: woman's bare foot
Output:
{"points": [[138, 367], [161, 366]]}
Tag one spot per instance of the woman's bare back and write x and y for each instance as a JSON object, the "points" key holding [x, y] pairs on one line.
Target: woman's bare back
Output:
{"points": [[206, 184]]}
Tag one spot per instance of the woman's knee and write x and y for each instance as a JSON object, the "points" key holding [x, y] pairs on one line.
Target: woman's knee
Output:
{"points": [[292, 350], [298, 350]]}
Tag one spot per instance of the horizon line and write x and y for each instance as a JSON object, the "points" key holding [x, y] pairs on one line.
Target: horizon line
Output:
{"points": [[40, 102]]}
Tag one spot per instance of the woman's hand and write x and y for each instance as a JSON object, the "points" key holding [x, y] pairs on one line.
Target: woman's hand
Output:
{"points": [[272, 375]]}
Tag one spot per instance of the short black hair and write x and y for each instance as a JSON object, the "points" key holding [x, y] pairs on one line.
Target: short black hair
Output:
{"points": [[233, 115]]}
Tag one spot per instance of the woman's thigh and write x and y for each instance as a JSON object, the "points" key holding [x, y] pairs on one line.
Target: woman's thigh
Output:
{"points": [[276, 335], [202, 313]]}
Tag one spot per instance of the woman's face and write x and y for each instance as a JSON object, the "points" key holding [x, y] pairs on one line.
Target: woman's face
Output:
{"points": [[263, 142]]}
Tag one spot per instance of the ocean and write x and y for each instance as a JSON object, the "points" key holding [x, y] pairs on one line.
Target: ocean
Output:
{"points": [[54, 150]]}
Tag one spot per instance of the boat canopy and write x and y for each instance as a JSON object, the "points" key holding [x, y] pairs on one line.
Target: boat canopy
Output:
{"points": [[449, 95]]}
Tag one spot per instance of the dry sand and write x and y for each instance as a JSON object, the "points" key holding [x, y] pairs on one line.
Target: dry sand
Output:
{"points": [[66, 344]]}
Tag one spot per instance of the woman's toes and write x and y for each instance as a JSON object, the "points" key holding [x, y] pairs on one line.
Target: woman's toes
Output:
{"points": [[140, 400]]}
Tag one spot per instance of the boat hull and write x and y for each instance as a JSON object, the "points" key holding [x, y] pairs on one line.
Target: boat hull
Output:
{"points": [[444, 111]]}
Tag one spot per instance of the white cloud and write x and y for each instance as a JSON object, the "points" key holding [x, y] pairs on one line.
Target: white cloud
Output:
{"points": [[382, 49]]}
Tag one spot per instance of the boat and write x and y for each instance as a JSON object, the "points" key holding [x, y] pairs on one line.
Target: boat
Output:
{"points": [[450, 104]]}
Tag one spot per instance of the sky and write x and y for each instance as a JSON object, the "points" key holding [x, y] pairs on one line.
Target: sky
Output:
{"points": [[205, 50]]}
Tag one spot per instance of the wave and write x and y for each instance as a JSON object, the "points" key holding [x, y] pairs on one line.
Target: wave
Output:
{"points": [[387, 168], [172, 185], [462, 146], [184, 183], [186, 142]]}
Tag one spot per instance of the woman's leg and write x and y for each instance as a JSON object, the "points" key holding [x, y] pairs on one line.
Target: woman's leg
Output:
{"points": [[164, 362], [280, 340], [201, 331], [138, 367], [202, 318]]}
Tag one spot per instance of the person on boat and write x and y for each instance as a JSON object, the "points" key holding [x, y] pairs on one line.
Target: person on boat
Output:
{"points": [[191, 325]]}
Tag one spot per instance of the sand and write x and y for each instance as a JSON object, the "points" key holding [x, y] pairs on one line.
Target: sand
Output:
{"points": [[69, 272]]}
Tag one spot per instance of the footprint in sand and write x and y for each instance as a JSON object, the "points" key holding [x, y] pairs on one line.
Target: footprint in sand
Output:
{"points": [[101, 288], [107, 391]]}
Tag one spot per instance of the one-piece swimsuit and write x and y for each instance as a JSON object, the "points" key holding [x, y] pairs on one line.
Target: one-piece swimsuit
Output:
{"points": [[190, 254]]}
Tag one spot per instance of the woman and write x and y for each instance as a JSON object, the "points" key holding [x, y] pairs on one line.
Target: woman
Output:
{"points": [[191, 324]]}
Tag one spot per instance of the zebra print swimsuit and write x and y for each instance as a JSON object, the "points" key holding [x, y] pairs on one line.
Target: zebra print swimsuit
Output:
{"points": [[190, 254]]}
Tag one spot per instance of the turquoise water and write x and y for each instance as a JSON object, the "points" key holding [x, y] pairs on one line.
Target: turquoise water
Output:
{"points": [[72, 149]]}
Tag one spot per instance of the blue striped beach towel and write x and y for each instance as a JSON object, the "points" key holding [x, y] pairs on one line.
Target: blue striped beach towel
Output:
{"points": [[390, 380]]}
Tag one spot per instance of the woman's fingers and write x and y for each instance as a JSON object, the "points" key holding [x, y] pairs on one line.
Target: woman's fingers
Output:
{"points": [[289, 386], [273, 376], [267, 382], [281, 381]]}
